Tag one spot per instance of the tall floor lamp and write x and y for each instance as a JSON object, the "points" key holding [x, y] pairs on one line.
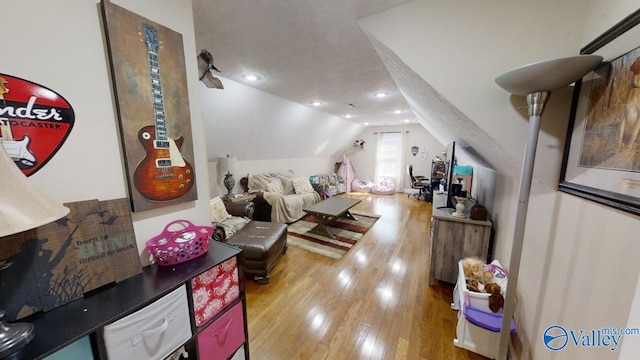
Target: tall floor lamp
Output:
{"points": [[22, 207], [535, 81]]}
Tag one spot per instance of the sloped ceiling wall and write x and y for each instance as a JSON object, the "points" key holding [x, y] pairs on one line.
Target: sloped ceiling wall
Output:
{"points": [[254, 125], [445, 56], [441, 118]]}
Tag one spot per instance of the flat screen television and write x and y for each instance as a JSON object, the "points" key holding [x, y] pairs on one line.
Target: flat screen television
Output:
{"points": [[451, 161]]}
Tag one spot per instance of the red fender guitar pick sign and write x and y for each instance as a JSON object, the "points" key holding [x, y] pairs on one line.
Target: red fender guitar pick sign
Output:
{"points": [[34, 121]]}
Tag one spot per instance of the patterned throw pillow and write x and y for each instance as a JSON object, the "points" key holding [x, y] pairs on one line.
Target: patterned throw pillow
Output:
{"points": [[275, 186], [217, 211], [233, 224], [301, 185]]}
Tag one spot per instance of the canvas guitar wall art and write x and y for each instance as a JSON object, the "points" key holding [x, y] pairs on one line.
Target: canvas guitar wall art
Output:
{"points": [[163, 174], [152, 101]]}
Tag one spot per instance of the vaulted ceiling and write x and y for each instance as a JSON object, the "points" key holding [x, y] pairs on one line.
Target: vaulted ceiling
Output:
{"points": [[304, 51]]}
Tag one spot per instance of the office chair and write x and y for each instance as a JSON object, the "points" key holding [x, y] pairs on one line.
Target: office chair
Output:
{"points": [[420, 183]]}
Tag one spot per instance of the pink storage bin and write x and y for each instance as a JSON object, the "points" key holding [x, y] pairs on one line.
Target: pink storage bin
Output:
{"points": [[214, 289], [224, 336]]}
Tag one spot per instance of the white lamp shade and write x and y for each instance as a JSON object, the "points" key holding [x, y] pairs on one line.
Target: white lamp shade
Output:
{"points": [[547, 75], [228, 164], [22, 205]]}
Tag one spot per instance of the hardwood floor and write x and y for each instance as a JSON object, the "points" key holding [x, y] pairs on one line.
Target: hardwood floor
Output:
{"points": [[374, 303]]}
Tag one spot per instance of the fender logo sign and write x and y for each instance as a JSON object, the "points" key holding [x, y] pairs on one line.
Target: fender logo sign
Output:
{"points": [[34, 122]]}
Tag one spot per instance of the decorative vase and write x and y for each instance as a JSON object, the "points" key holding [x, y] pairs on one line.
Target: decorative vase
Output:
{"points": [[459, 213], [229, 183]]}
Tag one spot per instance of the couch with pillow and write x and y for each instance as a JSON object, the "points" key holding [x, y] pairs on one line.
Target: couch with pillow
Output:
{"points": [[228, 218], [280, 196]]}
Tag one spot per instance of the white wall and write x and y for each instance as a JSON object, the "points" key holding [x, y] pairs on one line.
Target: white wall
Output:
{"points": [[63, 48], [578, 266]]}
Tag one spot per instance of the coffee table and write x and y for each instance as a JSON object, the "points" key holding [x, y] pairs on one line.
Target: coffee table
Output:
{"points": [[328, 210]]}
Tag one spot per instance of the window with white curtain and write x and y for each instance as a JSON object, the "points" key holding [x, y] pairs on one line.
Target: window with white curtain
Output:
{"points": [[389, 157]]}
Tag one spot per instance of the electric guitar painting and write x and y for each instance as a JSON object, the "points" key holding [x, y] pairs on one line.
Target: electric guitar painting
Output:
{"points": [[163, 174], [17, 150]]}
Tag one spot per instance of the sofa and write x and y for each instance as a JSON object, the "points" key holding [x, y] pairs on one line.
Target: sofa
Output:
{"points": [[328, 184], [280, 196], [262, 243]]}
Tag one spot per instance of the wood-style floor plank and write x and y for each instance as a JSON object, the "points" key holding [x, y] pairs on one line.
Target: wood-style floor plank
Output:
{"points": [[374, 303]]}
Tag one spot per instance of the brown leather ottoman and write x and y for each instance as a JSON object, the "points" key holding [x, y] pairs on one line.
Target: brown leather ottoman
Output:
{"points": [[262, 243]]}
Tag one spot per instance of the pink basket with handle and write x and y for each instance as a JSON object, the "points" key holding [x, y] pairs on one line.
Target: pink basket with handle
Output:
{"points": [[172, 247]]}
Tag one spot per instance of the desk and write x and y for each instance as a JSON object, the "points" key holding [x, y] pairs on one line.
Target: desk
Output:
{"points": [[453, 239]]}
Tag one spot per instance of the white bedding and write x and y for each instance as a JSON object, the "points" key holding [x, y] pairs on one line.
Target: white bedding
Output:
{"points": [[287, 206]]}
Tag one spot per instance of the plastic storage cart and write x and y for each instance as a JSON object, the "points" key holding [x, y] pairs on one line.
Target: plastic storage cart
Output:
{"points": [[478, 328]]}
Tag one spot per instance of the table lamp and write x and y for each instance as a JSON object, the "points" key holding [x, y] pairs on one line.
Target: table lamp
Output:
{"points": [[228, 165], [22, 207], [535, 81]]}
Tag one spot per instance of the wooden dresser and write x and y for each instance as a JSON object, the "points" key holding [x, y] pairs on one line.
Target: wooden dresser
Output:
{"points": [[453, 239]]}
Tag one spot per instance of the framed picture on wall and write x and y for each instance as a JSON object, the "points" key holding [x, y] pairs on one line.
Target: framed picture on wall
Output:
{"points": [[152, 101], [602, 150]]}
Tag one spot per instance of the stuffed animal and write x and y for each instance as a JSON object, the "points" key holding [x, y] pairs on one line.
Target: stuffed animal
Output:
{"points": [[492, 288], [479, 279], [496, 300], [473, 285], [472, 268]]}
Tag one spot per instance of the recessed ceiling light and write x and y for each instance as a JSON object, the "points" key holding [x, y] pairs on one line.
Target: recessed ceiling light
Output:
{"points": [[397, 111], [380, 94], [252, 77], [366, 124], [406, 120], [316, 103], [348, 116]]}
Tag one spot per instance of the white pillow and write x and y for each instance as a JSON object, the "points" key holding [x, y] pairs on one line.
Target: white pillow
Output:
{"points": [[301, 185], [217, 211], [287, 186], [275, 186]]}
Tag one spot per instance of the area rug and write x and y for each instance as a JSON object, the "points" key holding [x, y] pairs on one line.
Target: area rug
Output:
{"points": [[346, 231]]}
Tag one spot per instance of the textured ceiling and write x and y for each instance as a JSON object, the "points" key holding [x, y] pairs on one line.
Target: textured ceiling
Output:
{"points": [[304, 51]]}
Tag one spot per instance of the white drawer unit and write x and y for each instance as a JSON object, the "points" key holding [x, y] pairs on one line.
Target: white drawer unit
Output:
{"points": [[153, 332]]}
